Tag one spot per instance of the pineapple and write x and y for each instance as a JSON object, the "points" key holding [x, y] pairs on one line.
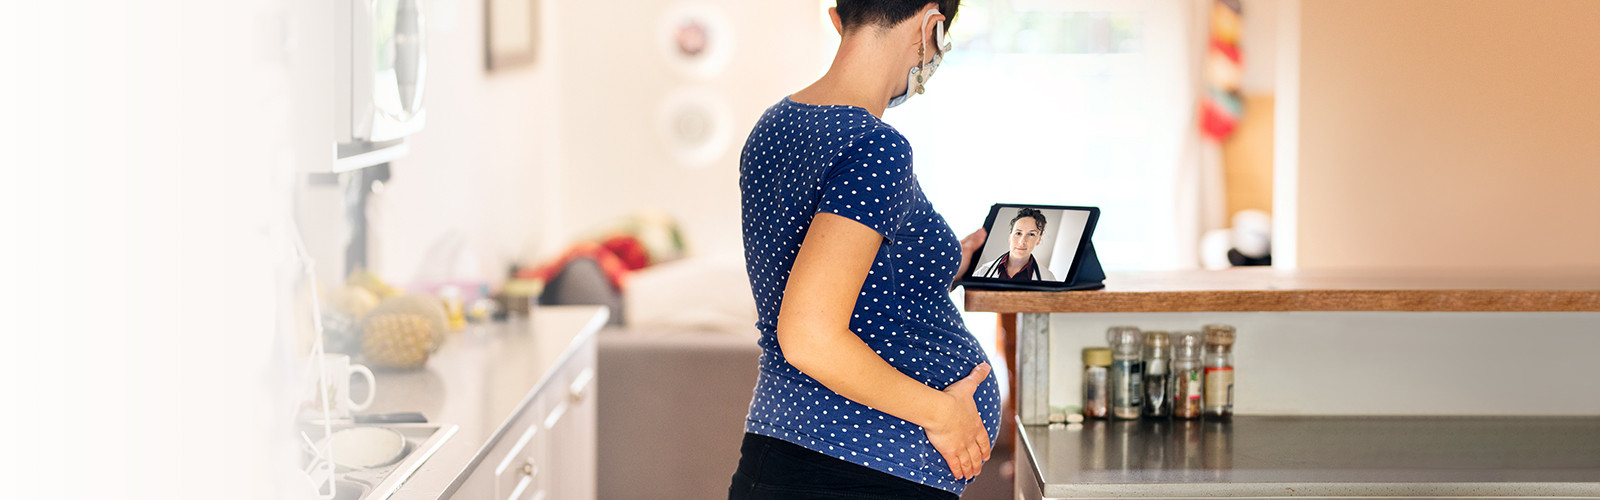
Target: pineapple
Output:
{"points": [[403, 331], [397, 340], [342, 312]]}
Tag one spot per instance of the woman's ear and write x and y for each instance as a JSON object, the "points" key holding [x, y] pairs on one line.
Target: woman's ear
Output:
{"points": [[927, 28], [838, 25]]}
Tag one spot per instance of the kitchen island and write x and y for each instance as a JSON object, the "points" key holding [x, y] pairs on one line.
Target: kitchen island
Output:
{"points": [[521, 396], [1373, 353]]}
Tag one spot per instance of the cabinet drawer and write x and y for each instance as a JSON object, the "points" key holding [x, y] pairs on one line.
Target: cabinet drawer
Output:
{"points": [[524, 471]]}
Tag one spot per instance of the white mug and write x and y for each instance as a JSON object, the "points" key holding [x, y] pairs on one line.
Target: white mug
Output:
{"points": [[336, 370]]}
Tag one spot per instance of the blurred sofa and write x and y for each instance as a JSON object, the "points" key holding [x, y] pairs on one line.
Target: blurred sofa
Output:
{"points": [[676, 368]]}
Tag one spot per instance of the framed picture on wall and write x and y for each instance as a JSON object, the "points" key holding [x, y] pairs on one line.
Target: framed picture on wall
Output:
{"points": [[511, 33]]}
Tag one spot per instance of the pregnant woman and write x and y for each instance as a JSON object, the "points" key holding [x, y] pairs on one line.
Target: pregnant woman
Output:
{"points": [[870, 385]]}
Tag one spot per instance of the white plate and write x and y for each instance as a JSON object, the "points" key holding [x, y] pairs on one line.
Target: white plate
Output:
{"points": [[366, 447]]}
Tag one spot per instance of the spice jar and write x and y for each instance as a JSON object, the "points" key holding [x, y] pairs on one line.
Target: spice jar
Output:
{"points": [[1157, 355], [1096, 396], [1219, 371], [1186, 375], [1127, 371]]}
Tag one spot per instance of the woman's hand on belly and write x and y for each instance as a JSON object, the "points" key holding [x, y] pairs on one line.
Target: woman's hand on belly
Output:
{"points": [[959, 435], [814, 336]]}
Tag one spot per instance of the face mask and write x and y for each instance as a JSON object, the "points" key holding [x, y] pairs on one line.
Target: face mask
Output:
{"points": [[921, 73]]}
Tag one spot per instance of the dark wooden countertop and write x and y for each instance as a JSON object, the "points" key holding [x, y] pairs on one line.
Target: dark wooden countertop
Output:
{"points": [[1265, 289]]}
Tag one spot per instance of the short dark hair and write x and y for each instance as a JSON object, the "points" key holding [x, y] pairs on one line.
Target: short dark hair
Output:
{"points": [[1038, 217], [886, 13]]}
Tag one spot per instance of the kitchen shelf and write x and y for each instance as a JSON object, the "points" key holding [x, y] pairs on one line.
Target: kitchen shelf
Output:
{"points": [[1265, 289], [1285, 456], [1264, 456]]}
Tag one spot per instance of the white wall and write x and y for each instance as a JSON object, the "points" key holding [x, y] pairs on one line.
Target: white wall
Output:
{"points": [[614, 81], [145, 152], [1258, 45], [482, 163], [525, 160], [480, 168], [1375, 363]]}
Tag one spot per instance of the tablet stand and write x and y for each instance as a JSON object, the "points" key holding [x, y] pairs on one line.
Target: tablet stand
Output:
{"points": [[1090, 275]]}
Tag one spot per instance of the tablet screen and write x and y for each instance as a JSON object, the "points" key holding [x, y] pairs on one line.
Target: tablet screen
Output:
{"points": [[1033, 243]]}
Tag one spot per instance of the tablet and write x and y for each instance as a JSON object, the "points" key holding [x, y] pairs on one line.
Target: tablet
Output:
{"points": [[1037, 247]]}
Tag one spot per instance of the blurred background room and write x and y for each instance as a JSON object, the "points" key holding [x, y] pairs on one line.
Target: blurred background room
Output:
{"points": [[199, 196]]}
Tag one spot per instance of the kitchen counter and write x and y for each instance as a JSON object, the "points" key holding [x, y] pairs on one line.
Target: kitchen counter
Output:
{"points": [[480, 380], [1265, 289], [1262, 456], [1552, 450], [1025, 336]]}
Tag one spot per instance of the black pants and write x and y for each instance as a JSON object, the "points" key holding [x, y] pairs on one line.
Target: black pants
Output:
{"points": [[774, 469]]}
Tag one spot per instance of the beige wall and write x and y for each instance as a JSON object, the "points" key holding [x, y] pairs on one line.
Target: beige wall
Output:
{"points": [[523, 160], [480, 165], [1449, 134], [615, 81]]}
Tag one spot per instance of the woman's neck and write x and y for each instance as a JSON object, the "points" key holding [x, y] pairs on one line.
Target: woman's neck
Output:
{"points": [[865, 73], [1014, 265]]}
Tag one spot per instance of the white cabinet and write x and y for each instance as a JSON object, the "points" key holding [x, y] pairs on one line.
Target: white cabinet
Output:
{"points": [[548, 449]]}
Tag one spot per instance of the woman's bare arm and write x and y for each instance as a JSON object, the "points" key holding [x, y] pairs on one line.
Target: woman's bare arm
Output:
{"points": [[814, 333]]}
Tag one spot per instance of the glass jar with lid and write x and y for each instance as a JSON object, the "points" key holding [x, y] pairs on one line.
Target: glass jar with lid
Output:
{"points": [[1219, 371], [1127, 371]]}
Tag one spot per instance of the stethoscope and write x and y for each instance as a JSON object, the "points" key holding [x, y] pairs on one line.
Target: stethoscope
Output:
{"points": [[994, 270]]}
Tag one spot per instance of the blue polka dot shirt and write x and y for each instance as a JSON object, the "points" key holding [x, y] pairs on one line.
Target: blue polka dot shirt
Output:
{"points": [[801, 160]]}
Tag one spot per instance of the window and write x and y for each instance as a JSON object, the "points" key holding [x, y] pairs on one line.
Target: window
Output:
{"points": [[1073, 102]]}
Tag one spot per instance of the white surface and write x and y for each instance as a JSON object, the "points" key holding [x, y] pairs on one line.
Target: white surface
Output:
{"points": [[1113, 131], [612, 79], [1286, 140], [139, 270], [525, 159], [698, 294], [370, 158], [1258, 46], [480, 167], [364, 447], [1377, 363]]}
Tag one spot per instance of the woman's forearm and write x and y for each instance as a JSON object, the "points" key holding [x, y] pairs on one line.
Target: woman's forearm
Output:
{"points": [[813, 327], [813, 332], [846, 365]]}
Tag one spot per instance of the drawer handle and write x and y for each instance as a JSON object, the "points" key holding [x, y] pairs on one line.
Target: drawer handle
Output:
{"points": [[528, 469], [522, 442], [555, 415], [577, 390]]}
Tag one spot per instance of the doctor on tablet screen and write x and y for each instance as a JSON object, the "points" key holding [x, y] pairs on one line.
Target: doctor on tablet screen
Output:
{"points": [[1027, 229]]}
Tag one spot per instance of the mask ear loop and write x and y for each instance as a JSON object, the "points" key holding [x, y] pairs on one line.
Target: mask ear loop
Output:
{"points": [[922, 48]]}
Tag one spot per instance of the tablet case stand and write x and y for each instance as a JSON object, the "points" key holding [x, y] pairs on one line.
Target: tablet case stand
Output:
{"points": [[1090, 276]]}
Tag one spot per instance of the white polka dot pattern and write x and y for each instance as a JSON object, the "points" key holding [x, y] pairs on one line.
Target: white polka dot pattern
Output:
{"points": [[804, 159]]}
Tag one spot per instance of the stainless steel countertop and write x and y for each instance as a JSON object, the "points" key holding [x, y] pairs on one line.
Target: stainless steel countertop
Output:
{"points": [[478, 380], [1272, 456]]}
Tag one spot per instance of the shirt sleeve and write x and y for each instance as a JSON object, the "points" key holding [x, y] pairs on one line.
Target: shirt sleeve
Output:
{"points": [[871, 183], [987, 267]]}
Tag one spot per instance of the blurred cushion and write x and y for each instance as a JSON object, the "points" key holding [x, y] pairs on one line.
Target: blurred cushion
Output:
{"points": [[582, 281], [705, 294]]}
